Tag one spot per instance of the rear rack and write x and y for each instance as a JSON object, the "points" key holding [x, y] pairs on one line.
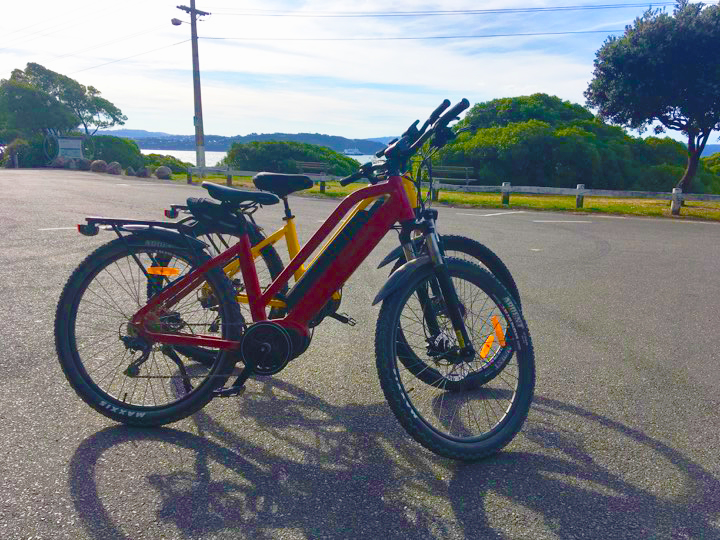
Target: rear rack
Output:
{"points": [[95, 223]]}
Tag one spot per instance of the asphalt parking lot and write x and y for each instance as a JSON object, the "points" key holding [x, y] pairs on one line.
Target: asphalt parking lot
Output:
{"points": [[622, 441]]}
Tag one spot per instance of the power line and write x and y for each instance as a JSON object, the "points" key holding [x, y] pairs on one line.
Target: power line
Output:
{"points": [[66, 13], [132, 56], [411, 38], [432, 13], [99, 45], [68, 22]]}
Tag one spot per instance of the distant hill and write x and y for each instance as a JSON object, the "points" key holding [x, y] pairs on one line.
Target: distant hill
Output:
{"points": [[382, 140], [711, 149], [148, 140], [133, 133]]}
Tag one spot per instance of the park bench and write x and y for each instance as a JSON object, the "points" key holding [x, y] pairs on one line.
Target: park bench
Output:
{"points": [[450, 175], [317, 171]]}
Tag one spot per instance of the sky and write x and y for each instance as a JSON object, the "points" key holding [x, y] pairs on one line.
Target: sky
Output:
{"points": [[312, 66]]}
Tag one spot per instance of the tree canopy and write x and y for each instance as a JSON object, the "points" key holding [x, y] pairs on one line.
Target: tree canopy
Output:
{"points": [[663, 70], [542, 107], [283, 157], [26, 109], [540, 140], [40, 100]]}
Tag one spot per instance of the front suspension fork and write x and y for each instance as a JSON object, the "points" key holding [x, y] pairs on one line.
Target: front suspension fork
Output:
{"points": [[442, 286], [449, 294]]}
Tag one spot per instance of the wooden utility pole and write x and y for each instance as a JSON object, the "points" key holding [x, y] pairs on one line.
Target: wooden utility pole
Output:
{"points": [[198, 120]]}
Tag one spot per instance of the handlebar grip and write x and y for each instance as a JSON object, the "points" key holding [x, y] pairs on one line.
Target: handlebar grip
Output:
{"points": [[452, 113], [350, 179], [381, 153], [437, 112], [413, 127]]}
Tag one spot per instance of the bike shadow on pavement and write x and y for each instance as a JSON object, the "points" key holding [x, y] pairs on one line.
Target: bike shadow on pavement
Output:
{"points": [[297, 463]]}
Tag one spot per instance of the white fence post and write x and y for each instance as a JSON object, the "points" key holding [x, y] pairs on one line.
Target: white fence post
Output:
{"points": [[505, 189], [676, 202], [580, 196]]}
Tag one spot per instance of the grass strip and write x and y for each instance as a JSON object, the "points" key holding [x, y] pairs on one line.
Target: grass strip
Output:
{"points": [[565, 203]]}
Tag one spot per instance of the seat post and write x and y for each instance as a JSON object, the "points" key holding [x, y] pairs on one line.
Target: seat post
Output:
{"points": [[288, 213]]}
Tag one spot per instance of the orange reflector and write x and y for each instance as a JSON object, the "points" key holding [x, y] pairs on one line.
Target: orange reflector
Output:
{"points": [[163, 271], [487, 346], [498, 330]]}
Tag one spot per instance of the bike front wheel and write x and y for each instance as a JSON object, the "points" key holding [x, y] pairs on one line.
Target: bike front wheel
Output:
{"points": [[466, 422], [102, 356]]}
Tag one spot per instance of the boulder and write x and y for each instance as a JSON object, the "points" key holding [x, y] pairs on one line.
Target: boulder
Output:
{"points": [[130, 171], [98, 166], [142, 172], [114, 168], [84, 164], [163, 172], [58, 162]]}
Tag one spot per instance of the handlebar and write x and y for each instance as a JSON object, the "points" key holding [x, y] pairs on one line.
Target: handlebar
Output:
{"points": [[413, 138], [452, 113], [366, 170], [437, 112]]}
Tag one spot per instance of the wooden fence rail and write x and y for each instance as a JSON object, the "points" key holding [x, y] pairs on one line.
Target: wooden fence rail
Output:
{"points": [[316, 171], [676, 197]]}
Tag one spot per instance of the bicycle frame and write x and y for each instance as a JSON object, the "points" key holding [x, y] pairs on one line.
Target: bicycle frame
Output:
{"points": [[342, 255], [292, 242]]}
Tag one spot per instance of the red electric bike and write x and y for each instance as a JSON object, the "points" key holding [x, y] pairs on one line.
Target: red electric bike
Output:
{"points": [[135, 302]]}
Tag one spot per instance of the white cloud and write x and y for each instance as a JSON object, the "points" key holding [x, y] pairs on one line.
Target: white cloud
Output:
{"points": [[350, 88]]}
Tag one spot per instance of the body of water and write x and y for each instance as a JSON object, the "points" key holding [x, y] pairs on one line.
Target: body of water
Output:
{"points": [[213, 158], [363, 159]]}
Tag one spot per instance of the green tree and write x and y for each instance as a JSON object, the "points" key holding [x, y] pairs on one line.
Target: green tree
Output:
{"points": [[124, 151], [86, 103], [26, 109], [664, 70], [282, 156], [542, 140], [543, 107]]}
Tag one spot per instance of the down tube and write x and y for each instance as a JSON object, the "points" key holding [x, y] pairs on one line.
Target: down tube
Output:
{"points": [[306, 299]]}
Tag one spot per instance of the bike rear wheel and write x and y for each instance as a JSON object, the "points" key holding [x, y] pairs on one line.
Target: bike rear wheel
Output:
{"points": [[469, 422], [100, 354]]}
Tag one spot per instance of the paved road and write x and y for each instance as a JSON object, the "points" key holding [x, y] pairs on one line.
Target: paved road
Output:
{"points": [[622, 440]]}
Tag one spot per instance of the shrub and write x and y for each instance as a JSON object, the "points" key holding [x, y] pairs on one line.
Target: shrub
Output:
{"points": [[29, 152], [98, 166], [124, 151], [175, 165], [283, 156]]}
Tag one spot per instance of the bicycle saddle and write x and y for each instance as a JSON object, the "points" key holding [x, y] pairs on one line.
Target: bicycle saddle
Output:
{"points": [[281, 184], [238, 196]]}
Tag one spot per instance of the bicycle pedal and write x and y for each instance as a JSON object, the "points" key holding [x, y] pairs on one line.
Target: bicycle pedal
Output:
{"points": [[229, 392], [343, 318]]}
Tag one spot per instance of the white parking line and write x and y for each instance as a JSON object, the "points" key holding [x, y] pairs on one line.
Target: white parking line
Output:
{"points": [[58, 229], [491, 215], [558, 221]]}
